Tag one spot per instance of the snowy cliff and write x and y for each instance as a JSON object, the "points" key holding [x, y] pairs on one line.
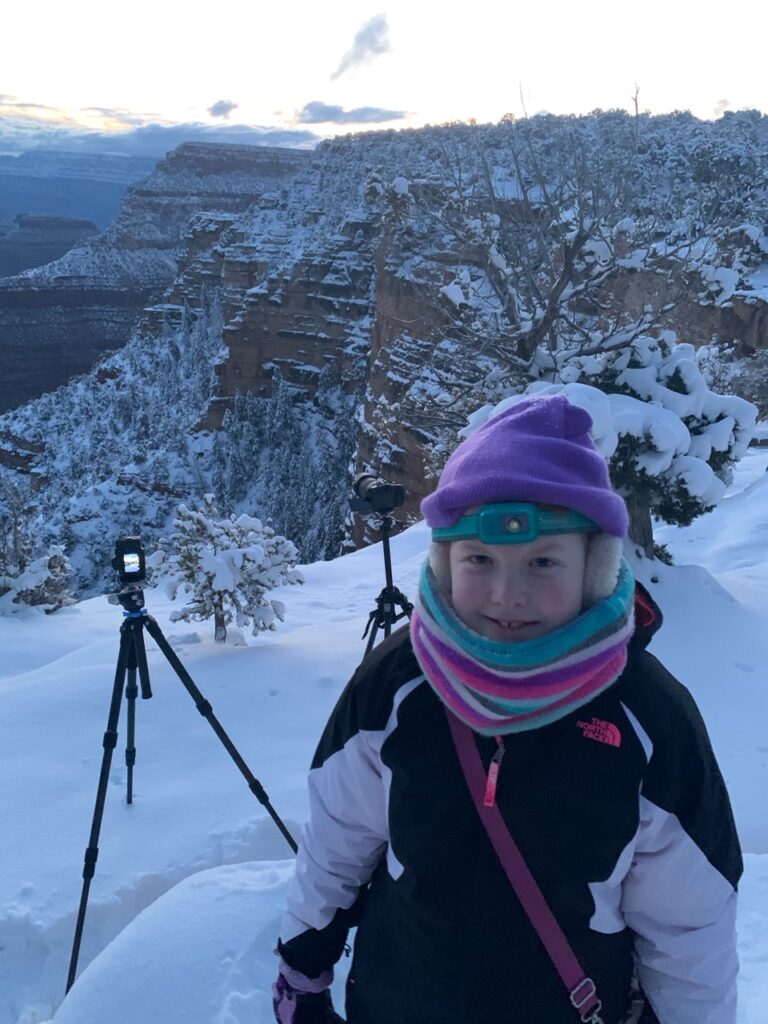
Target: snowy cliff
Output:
{"points": [[57, 320]]}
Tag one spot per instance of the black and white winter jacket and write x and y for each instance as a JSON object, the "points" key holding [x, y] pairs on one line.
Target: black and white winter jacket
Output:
{"points": [[619, 810]]}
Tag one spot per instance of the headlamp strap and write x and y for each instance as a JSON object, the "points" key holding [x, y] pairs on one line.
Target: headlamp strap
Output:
{"points": [[514, 522]]}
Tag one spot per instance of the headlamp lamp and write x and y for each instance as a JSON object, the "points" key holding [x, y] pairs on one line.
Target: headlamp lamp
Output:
{"points": [[515, 522]]}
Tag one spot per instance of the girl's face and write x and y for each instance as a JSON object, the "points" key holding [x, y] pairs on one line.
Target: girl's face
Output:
{"points": [[515, 592]]}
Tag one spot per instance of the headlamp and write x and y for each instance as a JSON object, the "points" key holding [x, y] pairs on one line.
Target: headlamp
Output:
{"points": [[515, 522]]}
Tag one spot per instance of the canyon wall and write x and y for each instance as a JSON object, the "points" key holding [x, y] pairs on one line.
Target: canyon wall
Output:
{"points": [[58, 319]]}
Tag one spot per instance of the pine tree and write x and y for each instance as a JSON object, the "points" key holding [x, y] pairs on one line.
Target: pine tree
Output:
{"points": [[16, 541], [227, 565], [44, 583], [675, 441]]}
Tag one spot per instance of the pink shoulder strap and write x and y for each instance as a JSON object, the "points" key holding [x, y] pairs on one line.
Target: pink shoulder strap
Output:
{"points": [[581, 989]]}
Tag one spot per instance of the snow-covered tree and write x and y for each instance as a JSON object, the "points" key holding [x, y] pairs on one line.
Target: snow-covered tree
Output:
{"points": [[677, 441], [227, 565], [237, 452], [290, 454], [43, 583], [16, 540], [671, 442], [541, 221]]}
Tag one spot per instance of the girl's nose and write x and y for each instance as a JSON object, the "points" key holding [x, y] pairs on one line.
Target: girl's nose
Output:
{"points": [[510, 589]]}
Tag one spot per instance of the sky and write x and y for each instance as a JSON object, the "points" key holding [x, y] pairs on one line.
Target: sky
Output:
{"points": [[191, 878], [89, 75]]}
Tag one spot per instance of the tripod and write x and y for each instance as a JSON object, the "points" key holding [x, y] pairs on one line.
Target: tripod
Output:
{"points": [[384, 615], [132, 657]]}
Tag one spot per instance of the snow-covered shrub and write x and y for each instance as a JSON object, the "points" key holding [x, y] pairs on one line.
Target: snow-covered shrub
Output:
{"points": [[671, 442], [43, 583], [678, 440], [227, 565]]}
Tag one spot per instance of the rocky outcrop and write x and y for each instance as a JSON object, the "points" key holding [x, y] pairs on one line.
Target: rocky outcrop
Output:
{"points": [[57, 320], [34, 240], [304, 292], [314, 312], [742, 321]]}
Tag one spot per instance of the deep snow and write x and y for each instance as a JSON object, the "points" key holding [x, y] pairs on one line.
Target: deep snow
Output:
{"points": [[190, 881]]}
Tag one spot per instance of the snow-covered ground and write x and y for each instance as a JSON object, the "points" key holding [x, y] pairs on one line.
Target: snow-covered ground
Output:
{"points": [[189, 886]]}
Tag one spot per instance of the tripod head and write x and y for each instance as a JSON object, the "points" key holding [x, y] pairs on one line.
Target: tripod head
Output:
{"points": [[131, 597]]}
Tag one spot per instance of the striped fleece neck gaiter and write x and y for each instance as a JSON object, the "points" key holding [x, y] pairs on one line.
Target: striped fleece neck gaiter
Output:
{"points": [[499, 688]]}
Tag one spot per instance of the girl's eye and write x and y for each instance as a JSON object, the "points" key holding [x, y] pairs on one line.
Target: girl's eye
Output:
{"points": [[479, 559], [543, 563]]}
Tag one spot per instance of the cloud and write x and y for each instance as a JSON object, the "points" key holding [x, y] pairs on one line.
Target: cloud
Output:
{"points": [[370, 42], [721, 106], [16, 104], [19, 134], [317, 112], [222, 108], [118, 115]]}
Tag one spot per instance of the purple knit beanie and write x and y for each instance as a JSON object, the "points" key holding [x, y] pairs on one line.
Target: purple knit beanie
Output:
{"points": [[538, 450]]}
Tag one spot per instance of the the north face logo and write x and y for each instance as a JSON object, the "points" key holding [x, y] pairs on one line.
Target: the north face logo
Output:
{"points": [[603, 732]]}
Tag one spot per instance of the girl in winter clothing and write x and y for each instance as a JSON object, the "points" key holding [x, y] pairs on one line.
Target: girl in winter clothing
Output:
{"points": [[525, 663]]}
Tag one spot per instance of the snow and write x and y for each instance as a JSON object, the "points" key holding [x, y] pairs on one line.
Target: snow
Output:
{"points": [[599, 406], [758, 281], [723, 281], [190, 882], [454, 294]]}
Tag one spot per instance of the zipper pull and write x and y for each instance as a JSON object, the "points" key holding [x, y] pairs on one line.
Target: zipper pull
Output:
{"points": [[493, 773]]}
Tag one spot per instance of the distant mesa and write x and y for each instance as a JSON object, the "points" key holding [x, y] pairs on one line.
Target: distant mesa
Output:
{"points": [[60, 316], [31, 240], [81, 185]]}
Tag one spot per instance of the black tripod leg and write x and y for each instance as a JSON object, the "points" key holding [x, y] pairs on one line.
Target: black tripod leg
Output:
{"points": [[205, 709], [141, 660], [137, 658], [92, 852], [131, 693], [372, 628]]}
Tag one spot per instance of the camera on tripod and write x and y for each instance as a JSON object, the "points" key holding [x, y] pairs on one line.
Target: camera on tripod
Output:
{"points": [[130, 560], [375, 495]]}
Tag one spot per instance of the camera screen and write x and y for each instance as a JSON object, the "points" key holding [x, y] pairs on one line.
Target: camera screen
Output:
{"points": [[131, 562]]}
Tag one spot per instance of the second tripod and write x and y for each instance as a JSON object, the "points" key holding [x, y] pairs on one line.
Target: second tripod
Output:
{"points": [[391, 604]]}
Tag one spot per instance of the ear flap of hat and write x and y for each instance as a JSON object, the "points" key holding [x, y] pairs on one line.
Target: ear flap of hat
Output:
{"points": [[601, 569]]}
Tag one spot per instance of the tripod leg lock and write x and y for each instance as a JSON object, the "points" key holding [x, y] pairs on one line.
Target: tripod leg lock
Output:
{"points": [[89, 865], [205, 708], [110, 740], [258, 791]]}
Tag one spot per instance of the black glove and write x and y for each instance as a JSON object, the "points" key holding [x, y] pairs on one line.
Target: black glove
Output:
{"points": [[294, 1007]]}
